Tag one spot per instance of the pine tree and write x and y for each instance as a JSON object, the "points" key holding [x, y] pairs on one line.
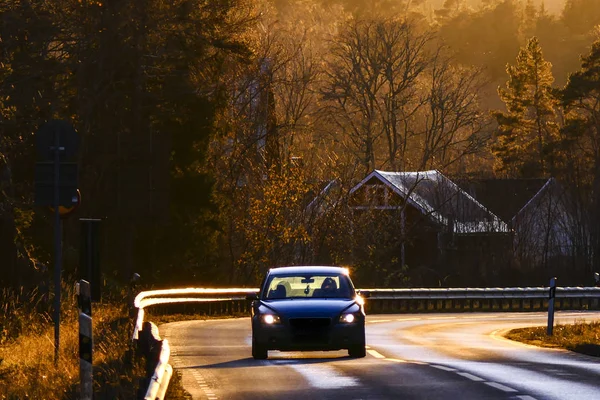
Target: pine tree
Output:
{"points": [[580, 138], [528, 129]]}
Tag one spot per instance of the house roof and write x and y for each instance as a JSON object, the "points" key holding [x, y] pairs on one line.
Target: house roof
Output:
{"points": [[504, 197], [441, 199]]}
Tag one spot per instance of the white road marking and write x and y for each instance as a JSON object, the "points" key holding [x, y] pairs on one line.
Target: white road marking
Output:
{"points": [[436, 318], [395, 360], [502, 387], [525, 397], [470, 376], [324, 377], [375, 354], [444, 368], [379, 320], [408, 319]]}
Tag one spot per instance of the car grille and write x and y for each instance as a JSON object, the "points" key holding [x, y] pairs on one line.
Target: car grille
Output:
{"points": [[310, 323]]}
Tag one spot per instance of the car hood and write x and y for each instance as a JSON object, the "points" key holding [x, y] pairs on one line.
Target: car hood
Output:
{"points": [[308, 307]]}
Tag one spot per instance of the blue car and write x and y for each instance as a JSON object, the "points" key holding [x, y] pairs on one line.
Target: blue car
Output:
{"points": [[307, 309]]}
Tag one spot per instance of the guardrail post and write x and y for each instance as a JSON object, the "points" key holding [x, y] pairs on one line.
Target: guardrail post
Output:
{"points": [[86, 376], [551, 296]]}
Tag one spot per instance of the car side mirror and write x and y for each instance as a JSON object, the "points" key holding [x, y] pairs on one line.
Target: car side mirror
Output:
{"points": [[364, 293], [252, 296]]}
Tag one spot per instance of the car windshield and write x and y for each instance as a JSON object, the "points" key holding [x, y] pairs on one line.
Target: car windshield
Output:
{"points": [[308, 286]]}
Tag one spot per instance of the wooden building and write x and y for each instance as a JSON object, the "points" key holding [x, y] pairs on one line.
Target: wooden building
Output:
{"points": [[444, 235]]}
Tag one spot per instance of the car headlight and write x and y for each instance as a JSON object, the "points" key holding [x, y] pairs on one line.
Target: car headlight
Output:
{"points": [[270, 319], [347, 318]]}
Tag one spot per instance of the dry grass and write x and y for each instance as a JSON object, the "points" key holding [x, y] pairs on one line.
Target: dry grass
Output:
{"points": [[581, 337], [27, 367]]}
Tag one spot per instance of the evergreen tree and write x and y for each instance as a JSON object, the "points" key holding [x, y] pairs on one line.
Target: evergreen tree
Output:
{"points": [[528, 129], [140, 81], [581, 138]]}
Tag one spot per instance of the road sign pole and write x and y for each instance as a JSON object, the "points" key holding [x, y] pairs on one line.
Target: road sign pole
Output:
{"points": [[57, 247], [55, 186]]}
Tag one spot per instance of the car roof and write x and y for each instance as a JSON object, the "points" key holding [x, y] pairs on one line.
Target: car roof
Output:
{"points": [[308, 270]]}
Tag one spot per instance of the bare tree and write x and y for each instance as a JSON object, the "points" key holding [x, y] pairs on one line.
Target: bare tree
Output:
{"points": [[453, 120], [261, 190], [396, 99], [355, 82], [405, 59]]}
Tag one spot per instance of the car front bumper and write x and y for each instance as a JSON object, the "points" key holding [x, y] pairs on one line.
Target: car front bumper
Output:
{"points": [[287, 338]]}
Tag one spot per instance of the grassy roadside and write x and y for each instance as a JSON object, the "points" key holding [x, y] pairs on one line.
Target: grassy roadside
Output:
{"points": [[580, 337], [27, 367]]}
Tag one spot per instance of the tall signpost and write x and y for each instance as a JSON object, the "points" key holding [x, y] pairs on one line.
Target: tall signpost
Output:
{"points": [[55, 186]]}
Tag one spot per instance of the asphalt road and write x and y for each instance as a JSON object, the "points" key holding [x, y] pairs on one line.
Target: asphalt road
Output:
{"points": [[410, 356]]}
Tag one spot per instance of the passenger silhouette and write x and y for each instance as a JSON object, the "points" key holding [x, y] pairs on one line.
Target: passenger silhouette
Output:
{"points": [[328, 288]]}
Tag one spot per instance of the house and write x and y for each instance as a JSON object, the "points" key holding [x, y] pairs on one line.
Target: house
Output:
{"points": [[537, 211], [440, 227]]}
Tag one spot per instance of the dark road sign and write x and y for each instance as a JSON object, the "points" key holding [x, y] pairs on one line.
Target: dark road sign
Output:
{"points": [[45, 139], [67, 185]]}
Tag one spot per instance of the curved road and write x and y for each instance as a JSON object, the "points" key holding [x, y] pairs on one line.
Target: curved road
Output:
{"points": [[410, 356]]}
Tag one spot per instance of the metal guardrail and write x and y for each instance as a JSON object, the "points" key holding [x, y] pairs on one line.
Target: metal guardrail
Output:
{"points": [[170, 296], [146, 337], [226, 301], [156, 352], [161, 375], [229, 300], [482, 293], [481, 299]]}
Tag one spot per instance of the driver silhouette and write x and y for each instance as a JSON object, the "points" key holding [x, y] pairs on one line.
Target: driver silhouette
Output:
{"points": [[328, 286]]}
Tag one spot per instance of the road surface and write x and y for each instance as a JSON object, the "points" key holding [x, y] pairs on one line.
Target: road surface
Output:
{"points": [[410, 356]]}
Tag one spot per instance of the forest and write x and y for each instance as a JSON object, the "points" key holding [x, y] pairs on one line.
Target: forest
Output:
{"points": [[207, 127]]}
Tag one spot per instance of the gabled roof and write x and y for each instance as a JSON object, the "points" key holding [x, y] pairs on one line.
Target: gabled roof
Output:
{"points": [[440, 199], [505, 197]]}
